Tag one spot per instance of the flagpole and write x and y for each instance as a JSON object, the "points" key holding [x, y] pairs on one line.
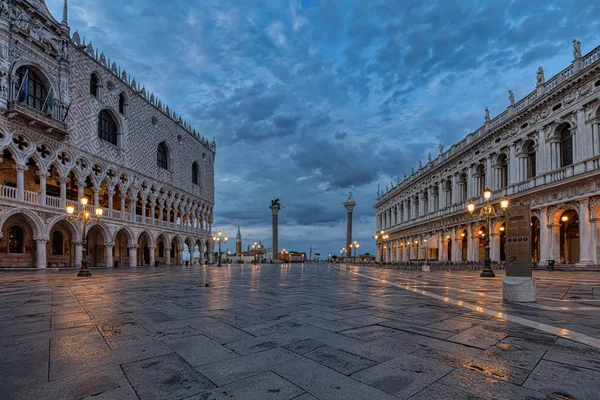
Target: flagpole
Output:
{"points": [[25, 79], [47, 97]]}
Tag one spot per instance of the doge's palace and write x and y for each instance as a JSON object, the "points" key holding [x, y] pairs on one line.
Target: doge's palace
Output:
{"points": [[542, 151], [74, 124]]}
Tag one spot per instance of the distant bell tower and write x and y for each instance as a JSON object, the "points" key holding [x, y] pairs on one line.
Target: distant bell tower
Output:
{"points": [[238, 242]]}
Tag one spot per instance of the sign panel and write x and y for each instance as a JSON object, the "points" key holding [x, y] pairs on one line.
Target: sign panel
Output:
{"points": [[518, 241]]}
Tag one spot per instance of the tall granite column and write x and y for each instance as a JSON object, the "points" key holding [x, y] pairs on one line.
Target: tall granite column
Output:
{"points": [[350, 204], [275, 207]]}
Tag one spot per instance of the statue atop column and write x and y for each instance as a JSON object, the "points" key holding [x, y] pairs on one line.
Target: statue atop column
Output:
{"points": [[350, 198], [576, 49], [540, 76], [511, 97]]}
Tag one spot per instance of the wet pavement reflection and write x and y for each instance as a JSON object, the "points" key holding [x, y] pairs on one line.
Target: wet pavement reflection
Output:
{"points": [[300, 331]]}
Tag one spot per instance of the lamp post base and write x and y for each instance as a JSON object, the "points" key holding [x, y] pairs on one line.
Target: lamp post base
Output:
{"points": [[219, 265], [487, 271], [84, 273]]}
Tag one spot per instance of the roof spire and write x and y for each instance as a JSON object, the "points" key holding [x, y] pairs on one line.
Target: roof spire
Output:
{"points": [[65, 16]]}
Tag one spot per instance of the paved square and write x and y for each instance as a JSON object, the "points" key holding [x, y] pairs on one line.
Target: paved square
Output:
{"points": [[295, 332]]}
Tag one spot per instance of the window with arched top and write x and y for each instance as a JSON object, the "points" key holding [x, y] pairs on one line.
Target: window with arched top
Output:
{"points": [[107, 127], [566, 147], [57, 243], [94, 84], [122, 104], [16, 239], [32, 89], [531, 161], [195, 173], [162, 156]]}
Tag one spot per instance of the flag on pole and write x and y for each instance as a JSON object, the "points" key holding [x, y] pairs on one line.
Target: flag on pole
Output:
{"points": [[51, 100], [67, 112], [49, 103], [23, 92]]}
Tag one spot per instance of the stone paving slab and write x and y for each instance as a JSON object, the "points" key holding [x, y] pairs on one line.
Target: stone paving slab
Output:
{"points": [[199, 350], [339, 360], [564, 381], [266, 386], [326, 384], [228, 371], [165, 377], [404, 376]]}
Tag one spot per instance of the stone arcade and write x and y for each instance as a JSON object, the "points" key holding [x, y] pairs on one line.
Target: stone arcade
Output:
{"points": [[543, 151], [73, 124]]}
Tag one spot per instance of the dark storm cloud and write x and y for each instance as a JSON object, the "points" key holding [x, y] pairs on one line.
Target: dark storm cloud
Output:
{"points": [[310, 99]]}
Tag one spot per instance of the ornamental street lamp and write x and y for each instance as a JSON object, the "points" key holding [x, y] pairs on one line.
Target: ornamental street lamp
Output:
{"points": [[219, 238], [381, 237], [256, 247], [85, 217], [487, 211], [354, 246], [343, 253]]}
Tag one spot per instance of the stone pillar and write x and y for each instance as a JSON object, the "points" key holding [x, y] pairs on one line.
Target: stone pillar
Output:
{"points": [[41, 251], [545, 238], [78, 253], [211, 255], [21, 181], [454, 198], [554, 155], [132, 209], [349, 205], [488, 169], [469, 238], [275, 207], [80, 190], [109, 254], [111, 193], [63, 192], [582, 145], [457, 247], [398, 251], [168, 255], [495, 246], [180, 255], [555, 241], [152, 260], [122, 207], [43, 177], [585, 233], [96, 197], [513, 166], [497, 179], [132, 248]]}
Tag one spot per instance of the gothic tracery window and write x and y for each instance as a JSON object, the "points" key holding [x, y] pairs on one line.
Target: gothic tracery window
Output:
{"points": [[162, 156], [33, 92], [566, 147], [195, 173], [94, 83], [107, 127]]}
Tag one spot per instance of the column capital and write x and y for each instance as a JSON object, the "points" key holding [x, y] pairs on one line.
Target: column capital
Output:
{"points": [[132, 246], [63, 180], [109, 244], [20, 167], [41, 239]]}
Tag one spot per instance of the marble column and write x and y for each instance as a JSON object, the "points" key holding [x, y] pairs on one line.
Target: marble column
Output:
{"points": [[513, 166], [585, 234], [41, 252], [63, 192], [488, 176], [469, 238], [132, 248], [109, 254], [349, 205], [21, 181], [555, 242], [495, 246], [78, 253], [545, 238], [111, 193], [180, 255], [96, 197], [43, 178], [168, 256], [152, 260], [275, 207]]}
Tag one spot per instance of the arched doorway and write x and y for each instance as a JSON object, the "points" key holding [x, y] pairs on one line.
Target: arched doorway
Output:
{"points": [[96, 244], [462, 245], [143, 249], [569, 237], [60, 249], [120, 251], [17, 247], [535, 239], [160, 253]]}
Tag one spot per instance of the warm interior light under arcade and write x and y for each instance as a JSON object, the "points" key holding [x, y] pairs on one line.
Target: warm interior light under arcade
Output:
{"points": [[501, 229], [564, 218]]}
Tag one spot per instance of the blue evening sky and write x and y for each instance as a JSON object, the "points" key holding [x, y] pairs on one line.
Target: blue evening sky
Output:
{"points": [[310, 99]]}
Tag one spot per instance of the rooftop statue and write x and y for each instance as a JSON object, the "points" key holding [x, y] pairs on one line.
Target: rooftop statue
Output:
{"points": [[487, 115], [576, 49], [540, 76], [511, 97]]}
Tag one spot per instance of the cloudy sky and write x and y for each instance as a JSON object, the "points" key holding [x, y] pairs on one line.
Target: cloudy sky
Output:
{"points": [[309, 99]]}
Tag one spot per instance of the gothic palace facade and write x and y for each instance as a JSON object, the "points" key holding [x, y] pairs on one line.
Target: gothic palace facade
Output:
{"points": [[72, 124], [543, 151]]}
